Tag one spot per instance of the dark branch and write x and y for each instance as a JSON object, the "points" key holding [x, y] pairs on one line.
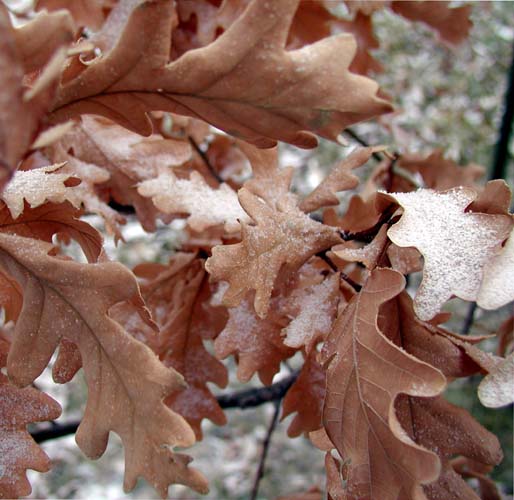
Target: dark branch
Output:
{"points": [[205, 159], [248, 398], [351, 133], [264, 453]]}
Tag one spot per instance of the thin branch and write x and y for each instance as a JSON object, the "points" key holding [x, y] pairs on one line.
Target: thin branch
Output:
{"points": [[501, 151], [468, 320], [264, 452], [367, 235], [249, 398], [205, 159], [351, 133]]}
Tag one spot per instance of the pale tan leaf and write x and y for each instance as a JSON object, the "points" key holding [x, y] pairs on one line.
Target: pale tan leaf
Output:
{"points": [[365, 374], [64, 298], [207, 206], [37, 187], [456, 245], [228, 83], [282, 237], [497, 388]]}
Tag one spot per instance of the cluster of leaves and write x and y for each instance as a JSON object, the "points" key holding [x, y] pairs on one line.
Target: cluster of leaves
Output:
{"points": [[108, 103]]}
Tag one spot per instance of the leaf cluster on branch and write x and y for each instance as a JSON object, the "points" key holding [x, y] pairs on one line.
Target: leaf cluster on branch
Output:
{"points": [[110, 103]]}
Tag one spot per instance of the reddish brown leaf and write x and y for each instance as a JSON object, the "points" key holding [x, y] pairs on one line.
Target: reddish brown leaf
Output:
{"points": [[67, 298], [306, 397], [225, 83], [256, 343], [18, 451], [365, 374]]}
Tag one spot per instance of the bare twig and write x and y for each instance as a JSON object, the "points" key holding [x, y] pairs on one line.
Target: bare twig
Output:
{"points": [[205, 159], [468, 320], [351, 133], [248, 398], [264, 452]]}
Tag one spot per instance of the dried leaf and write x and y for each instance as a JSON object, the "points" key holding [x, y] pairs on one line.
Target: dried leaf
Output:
{"points": [[456, 245], [339, 179], [18, 451], [497, 388], [452, 24], [207, 207], [66, 298], [229, 83], [284, 236], [306, 397], [51, 219], [38, 39], [183, 322], [255, 342], [89, 13], [365, 374], [37, 187]]}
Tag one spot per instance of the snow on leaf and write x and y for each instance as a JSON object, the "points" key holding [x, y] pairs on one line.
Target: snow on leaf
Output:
{"points": [[18, 451], [497, 388], [365, 374], [313, 309], [36, 186], [282, 236], [455, 245], [207, 206], [64, 298], [230, 83], [256, 342]]}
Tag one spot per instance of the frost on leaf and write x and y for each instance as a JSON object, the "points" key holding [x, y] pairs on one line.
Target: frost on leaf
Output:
{"points": [[36, 187], [456, 245], [110, 159], [282, 237], [67, 299], [178, 297], [255, 342], [230, 83], [312, 307], [18, 451], [497, 388], [365, 374], [207, 206]]}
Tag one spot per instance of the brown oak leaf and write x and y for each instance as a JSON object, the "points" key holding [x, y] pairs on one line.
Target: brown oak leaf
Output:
{"points": [[18, 451], [365, 374], [178, 297], [255, 342], [64, 298], [225, 83], [282, 237], [339, 179], [306, 397]]}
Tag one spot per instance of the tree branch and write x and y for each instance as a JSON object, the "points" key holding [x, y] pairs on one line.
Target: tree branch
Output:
{"points": [[264, 453], [248, 398], [205, 159]]}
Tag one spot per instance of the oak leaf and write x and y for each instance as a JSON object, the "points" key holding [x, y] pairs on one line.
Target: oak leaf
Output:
{"points": [[282, 237], [456, 245], [18, 451], [207, 206], [255, 342], [90, 13], [178, 297], [288, 101], [305, 397], [67, 299], [37, 187], [497, 388], [340, 178], [365, 374]]}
